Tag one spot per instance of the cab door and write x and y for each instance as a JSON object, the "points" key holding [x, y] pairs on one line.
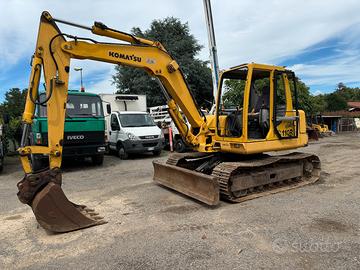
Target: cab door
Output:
{"points": [[285, 112], [114, 130]]}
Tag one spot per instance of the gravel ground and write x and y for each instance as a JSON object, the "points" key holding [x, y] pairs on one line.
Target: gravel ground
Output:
{"points": [[150, 227]]}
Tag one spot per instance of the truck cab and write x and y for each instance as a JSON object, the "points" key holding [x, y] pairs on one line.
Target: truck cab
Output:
{"points": [[133, 132], [84, 133]]}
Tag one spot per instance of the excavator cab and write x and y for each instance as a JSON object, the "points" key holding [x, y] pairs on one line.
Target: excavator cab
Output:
{"points": [[232, 103], [258, 103]]}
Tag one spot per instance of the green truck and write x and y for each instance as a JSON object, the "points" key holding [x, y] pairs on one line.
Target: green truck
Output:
{"points": [[84, 133]]}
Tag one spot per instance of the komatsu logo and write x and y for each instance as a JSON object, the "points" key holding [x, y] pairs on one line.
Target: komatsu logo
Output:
{"points": [[75, 137], [125, 56]]}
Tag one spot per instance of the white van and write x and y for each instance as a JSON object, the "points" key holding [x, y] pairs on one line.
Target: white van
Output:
{"points": [[134, 132]]}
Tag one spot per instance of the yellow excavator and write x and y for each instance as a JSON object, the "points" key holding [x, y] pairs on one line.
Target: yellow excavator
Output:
{"points": [[228, 160], [317, 123]]}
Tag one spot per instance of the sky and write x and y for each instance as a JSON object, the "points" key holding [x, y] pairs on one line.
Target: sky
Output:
{"points": [[318, 39]]}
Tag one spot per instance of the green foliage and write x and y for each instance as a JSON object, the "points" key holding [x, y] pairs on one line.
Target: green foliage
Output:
{"points": [[233, 93], [335, 102], [13, 106], [348, 93], [182, 45], [319, 104], [14, 102], [304, 97]]}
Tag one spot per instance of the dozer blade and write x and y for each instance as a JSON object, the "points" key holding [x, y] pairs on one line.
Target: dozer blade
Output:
{"points": [[196, 185], [56, 213]]}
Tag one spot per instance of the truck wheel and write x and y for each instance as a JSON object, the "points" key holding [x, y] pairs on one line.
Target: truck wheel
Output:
{"points": [[122, 153], [97, 160], [157, 153], [180, 146]]}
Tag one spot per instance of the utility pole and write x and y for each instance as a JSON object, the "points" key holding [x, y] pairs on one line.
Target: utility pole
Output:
{"points": [[212, 46], [82, 89]]}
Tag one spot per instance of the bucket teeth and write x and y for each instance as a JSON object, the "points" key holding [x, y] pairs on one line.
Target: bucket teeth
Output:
{"points": [[56, 213]]}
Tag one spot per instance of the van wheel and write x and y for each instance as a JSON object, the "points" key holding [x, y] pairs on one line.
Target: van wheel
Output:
{"points": [[157, 153], [97, 160], [122, 153]]}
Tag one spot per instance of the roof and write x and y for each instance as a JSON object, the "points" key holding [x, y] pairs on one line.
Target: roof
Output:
{"points": [[131, 112], [77, 92], [343, 113], [354, 104], [331, 116]]}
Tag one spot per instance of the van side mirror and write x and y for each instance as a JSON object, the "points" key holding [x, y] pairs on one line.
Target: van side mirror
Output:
{"points": [[6, 118], [108, 108]]}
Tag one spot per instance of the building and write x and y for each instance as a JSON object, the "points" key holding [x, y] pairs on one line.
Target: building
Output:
{"points": [[345, 120]]}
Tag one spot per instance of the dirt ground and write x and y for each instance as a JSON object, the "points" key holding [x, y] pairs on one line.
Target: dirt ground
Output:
{"points": [[149, 227]]}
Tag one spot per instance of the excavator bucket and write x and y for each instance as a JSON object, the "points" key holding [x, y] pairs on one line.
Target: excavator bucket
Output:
{"points": [[54, 212], [196, 185], [312, 133]]}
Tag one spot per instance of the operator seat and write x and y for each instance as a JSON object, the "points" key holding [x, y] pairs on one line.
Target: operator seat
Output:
{"points": [[263, 107], [233, 125]]}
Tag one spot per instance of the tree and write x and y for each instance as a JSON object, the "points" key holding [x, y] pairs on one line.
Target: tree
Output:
{"points": [[14, 102], [341, 86], [319, 104], [13, 106], [335, 102], [233, 92], [305, 99], [183, 47]]}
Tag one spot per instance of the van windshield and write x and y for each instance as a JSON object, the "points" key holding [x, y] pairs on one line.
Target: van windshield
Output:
{"points": [[136, 120], [78, 106]]}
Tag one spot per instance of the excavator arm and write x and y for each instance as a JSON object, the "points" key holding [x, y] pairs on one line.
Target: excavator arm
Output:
{"points": [[54, 50]]}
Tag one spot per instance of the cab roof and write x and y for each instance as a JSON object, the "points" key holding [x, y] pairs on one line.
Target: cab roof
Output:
{"points": [[79, 93]]}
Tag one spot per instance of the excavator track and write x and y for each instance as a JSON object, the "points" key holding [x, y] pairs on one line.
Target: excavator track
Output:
{"points": [[250, 179], [207, 177]]}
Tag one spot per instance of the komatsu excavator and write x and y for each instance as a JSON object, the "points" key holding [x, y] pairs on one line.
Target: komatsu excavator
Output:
{"points": [[229, 159]]}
